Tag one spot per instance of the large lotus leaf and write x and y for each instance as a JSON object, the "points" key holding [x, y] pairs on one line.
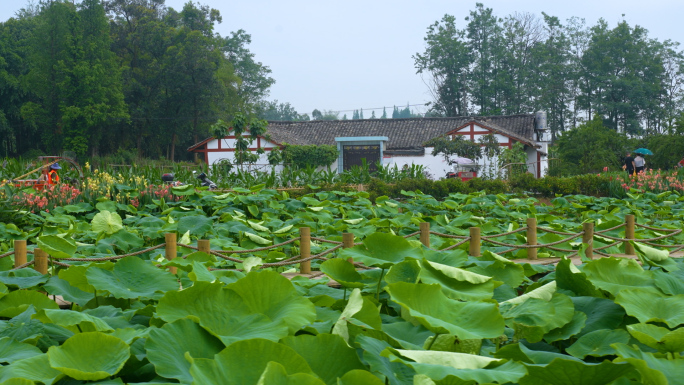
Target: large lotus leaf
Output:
{"points": [[409, 336], [132, 277], [568, 372], [499, 268], [243, 362], [650, 256], [222, 312], [407, 271], [197, 225], [89, 356], [76, 277], [343, 272], [17, 381], [659, 338], [72, 320], [166, 348], [396, 373], [597, 343], [107, 222], [520, 352], [615, 274], [458, 283], [568, 330], [36, 368], [535, 317], [451, 343], [275, 374], [647, 306], [382, 250], [359, 310], [57, 246], [544, 293], [653, 370], [328, 355], [269, 293], [671, 283], [11, 350], [438, 365], [16, 302], [58, 286], [23, 328], [601, 313], [569, 277], [429, 305], [359, 377], [23, 278]]}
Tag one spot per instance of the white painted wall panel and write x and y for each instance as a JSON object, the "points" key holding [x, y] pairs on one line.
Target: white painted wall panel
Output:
{"points": [[213, 144]]}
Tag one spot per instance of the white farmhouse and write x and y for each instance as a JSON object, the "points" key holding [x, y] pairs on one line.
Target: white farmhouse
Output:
{"points": [[395, 141]]}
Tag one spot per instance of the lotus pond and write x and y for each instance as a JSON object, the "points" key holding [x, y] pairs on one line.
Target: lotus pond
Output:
{"points": [[418, 316]]}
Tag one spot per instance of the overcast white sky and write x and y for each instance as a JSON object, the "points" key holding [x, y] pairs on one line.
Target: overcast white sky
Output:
{"points": [[346, 55]]}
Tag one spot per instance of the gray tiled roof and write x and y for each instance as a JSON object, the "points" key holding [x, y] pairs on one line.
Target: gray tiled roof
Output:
{"points": [[402, 133]]}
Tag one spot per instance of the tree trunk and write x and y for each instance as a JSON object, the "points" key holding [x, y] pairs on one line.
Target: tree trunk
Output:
{"points": [[174, 137]]}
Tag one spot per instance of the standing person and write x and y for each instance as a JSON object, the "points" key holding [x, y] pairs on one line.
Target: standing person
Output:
{"points": [[639, 163], [52, 175], [629, 164], [680, 163]]}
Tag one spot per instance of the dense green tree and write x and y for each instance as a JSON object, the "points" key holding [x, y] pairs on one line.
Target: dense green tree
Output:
{"points": [[255, 79], [384, 113], [277, 111]]}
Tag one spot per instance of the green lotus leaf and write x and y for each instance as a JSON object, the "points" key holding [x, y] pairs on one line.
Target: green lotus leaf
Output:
{"points": [[601, 313], [451, 343], [438, 365], [520, 352], [659, 338], [647, 306], [535, 317], [22, 328], [11, 350], [429, 306], [222, 312], [544, 293], [653, 370], [269, 293], [166, 348], [36, 368], [328, 355], [76, 277], [108, 222], [23, 278], [359, 310], [16, 302], [75, 321], [58, 286], [569, 277], [409, 336], [568, 330], [186, 189], [597, 343], [343, 272], [615, 274], [200, 273], [568, 372], [275, 374], [407, 271], [132, 277], [89, 356], [499, 268], [396, 373], [651, 253], [457, 283], [57, 246], [243, 362], [382, 250], [671, 283], [359, 377], [197, 225], [257, 239]]}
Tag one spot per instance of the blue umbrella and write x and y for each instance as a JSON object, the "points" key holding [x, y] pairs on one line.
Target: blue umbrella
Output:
{"points": [[643, 151]]}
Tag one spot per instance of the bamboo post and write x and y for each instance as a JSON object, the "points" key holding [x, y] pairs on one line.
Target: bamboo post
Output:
{"points": [[475, 241], [204, 245], [171, 250], [588, 239], [531, 238], [425, 233], [41, 261], [629, 234], [19, 253], [305, 249], [348, 242]]}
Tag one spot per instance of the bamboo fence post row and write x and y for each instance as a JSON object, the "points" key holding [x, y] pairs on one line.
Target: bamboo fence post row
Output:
{"points": [[629, 234]]}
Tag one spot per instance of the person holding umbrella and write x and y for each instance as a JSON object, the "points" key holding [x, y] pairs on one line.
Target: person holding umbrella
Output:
{"points": [[639, 161]]}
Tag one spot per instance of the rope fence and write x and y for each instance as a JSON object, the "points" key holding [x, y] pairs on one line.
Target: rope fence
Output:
{"points": [[474, 240]]}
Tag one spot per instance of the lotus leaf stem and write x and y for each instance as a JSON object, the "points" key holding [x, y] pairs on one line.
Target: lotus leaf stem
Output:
{"points": [[433, 341], [377, 291]]}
